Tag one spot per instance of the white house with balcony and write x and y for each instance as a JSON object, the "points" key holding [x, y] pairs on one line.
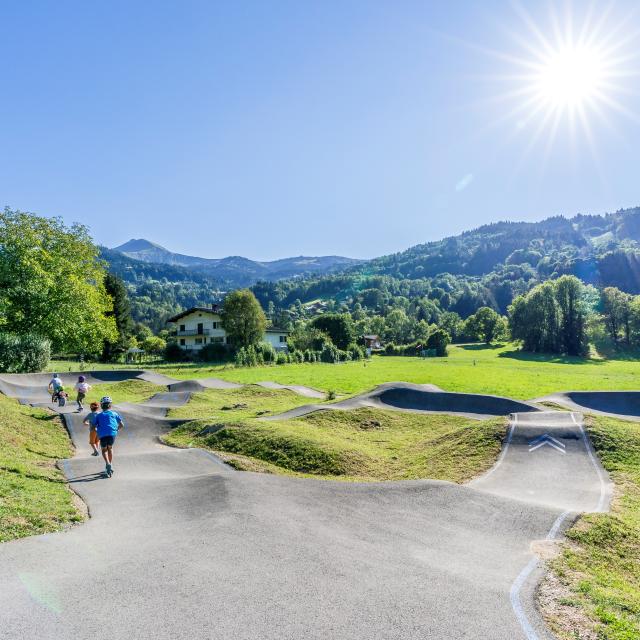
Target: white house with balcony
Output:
{"points": [[199, 326]]}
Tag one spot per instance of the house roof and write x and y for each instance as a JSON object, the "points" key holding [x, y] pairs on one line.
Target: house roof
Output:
{"points": [[371, 337], [276, 330], [212, 309]]}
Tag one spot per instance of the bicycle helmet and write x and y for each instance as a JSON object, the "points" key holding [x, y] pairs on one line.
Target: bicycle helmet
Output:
{"points": [[81, 378], [105, 402]]}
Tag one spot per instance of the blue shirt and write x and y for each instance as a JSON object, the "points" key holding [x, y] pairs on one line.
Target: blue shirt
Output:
{"points": [[91, 419], [107, 423]]}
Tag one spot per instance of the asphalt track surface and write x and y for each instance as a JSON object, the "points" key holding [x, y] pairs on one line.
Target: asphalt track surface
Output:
{"points": [[180, 546], [421, 398], [618, 404]]}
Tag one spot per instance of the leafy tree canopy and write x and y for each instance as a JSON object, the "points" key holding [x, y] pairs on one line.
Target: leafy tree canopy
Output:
{"points": [[243, 318], [338, 326], [52, 283]]}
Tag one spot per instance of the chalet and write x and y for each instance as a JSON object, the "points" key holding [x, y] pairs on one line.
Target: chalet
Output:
{"points": [[199, 326], [372, 342]]}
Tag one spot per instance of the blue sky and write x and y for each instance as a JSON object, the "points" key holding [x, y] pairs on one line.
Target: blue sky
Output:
{"points": [[270, 129]]}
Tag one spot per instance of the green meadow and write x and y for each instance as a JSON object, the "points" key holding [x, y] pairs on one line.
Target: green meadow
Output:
{"points": [[500, 370]]}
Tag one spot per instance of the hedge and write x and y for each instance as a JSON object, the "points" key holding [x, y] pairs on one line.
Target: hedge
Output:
{"points": [[26, 353]]}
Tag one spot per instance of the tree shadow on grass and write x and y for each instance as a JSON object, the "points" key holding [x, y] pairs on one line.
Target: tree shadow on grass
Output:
{"points": [[549, 358], [480, 346]]}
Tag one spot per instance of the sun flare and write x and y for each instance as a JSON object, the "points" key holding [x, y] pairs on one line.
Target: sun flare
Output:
{"points": [[570, 77], [570, 74]]}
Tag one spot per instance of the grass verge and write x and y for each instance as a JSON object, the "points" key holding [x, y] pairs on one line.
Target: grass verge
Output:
{"points": [[124, 391], [597, 575], [360, 445], [34, 497]]}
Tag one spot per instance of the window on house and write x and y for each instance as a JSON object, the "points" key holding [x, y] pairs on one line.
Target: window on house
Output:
{"points": [[182, 342], [217, 339], [215, 325], [183, 327], [283, 338], [198, 340]]}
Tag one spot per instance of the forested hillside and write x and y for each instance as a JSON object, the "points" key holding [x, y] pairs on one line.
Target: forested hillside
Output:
{"points": [[488, 266]]}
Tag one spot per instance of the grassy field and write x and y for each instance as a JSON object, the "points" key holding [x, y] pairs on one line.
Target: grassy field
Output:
{"points": [[33, 495], [500, 370], [364, 444], [600, 567]]}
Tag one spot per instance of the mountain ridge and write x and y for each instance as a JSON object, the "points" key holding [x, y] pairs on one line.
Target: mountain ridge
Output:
{"points": [[234, 270]]}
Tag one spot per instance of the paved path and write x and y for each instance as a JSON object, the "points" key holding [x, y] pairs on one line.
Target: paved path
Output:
{"points": [[179, 546], [421, 398], [618, 404]]}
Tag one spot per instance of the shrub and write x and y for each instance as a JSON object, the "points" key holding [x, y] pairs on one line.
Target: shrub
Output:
{"points": [[281, 357], [439, 340], [214, 352], [356, 351], [392, 350], [23, 353], [174, 353], [267, 351], [248, 357], [330, 353], [297, 356]]}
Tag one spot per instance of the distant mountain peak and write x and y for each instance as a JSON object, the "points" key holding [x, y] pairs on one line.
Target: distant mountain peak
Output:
{"points": [[235, 270], [141, 244]]}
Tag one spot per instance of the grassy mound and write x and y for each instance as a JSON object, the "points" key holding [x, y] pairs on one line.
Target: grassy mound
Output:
{"points": [[238, 404], [33, 495], [364, 444], [600, 567]]}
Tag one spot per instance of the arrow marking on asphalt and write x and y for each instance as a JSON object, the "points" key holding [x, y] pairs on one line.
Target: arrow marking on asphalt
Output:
{"points": [[545, 438]]}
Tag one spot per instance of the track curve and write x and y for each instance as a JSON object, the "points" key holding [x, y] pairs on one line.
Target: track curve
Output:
{"points": [[620, 404], [422, 398]]}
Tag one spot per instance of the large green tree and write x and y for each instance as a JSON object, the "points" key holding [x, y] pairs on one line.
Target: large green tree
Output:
{"points": [[121, 313], [551, 317], [52, 283], [573, 317], [485, 324], [338, 326], [616, 312], [243, 318], [534, 319]]}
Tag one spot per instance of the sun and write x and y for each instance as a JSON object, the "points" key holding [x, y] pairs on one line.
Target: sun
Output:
{"points": [[570, 77], [566, 77]]}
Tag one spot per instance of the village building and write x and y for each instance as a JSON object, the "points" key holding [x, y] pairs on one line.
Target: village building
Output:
{"points": [[372, 342], [199, 326]]}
